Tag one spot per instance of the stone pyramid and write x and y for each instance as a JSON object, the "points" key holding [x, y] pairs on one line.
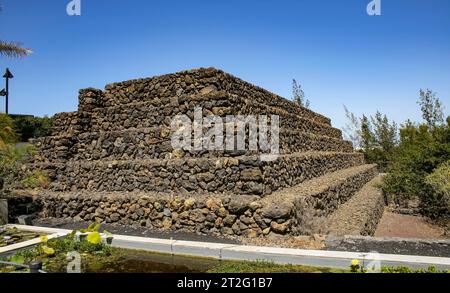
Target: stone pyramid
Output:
{"points": [[112, 161]]}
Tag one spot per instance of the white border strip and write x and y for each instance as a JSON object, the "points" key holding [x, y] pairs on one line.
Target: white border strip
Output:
{"points": [[53, 233], [315, 258]]}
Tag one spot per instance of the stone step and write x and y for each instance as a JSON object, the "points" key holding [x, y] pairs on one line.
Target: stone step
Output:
{"points": [[160, 112], [240, 175], [155, 143], [361, 214], [209, 212], [191, 82], [311, 202]]}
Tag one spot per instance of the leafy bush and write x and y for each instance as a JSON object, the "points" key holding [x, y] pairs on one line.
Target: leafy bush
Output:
{"points": [[439, 180], [13, 157], [14, 174], [12, 160], [32, 127], [421, 150], [7, 134], [438, 203]]}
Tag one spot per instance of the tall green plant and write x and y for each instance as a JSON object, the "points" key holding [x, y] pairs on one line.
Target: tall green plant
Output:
{"points": [[298, 95], [431, 107], [376, 136]]}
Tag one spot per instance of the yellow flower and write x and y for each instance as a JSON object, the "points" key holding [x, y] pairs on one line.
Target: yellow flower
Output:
{"points": [[355, 262], [44, 238], [48, 250], [94, 238]]}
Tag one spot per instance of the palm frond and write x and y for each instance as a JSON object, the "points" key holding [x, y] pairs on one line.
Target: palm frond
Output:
{"points": [[13, 49]]}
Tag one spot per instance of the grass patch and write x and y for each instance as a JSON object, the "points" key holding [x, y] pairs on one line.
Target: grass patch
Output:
{"points": [[268, 267]]}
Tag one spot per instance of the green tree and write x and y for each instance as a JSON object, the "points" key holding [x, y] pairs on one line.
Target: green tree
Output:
{"points": [[298, 95], [431, 108], [415, 156], [376, 137], [379, 137], [32, 127], [367, 136], [352, 129], [385, 132]]}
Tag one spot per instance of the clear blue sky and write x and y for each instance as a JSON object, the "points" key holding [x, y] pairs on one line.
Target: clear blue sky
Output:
{"points": [[336, 51]]}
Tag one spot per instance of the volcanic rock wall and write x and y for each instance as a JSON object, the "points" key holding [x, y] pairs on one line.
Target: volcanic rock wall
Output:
{"points": [[115, 151]]}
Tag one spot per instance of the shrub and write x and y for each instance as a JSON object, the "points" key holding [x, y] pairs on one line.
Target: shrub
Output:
{"points": [[32, 127], [12, 159], [13, 156], [438, 202], [439, 180], [7, 134], [422, 150]]}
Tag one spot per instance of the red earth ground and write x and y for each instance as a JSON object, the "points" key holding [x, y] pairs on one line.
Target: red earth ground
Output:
{"points": [[406, 226]]}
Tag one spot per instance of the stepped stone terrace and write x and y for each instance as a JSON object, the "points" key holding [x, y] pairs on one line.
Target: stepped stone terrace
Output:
{"points": [[112, 161]]}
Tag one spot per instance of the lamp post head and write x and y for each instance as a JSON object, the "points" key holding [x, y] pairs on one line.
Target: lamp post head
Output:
{"points": [[8, 74]]}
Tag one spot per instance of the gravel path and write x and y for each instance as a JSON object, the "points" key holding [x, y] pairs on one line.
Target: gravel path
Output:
{"points": [[361, 214]]}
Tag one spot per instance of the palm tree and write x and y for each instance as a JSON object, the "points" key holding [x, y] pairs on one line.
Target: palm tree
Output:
{"points": [[12, 49]]}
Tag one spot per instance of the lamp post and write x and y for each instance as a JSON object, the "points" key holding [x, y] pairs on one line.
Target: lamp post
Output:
{"points": [[5, 92]]}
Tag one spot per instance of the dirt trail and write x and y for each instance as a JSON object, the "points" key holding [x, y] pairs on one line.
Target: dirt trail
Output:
{"points": [[406, 226]]}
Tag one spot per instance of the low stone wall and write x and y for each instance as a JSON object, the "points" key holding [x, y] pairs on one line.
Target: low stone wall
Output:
{"points": [[209, 213], [241, 175], [227, 215]]}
